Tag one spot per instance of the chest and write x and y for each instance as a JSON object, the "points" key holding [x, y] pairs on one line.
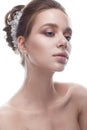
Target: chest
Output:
{"points": [[61, 116], [56, 119]]}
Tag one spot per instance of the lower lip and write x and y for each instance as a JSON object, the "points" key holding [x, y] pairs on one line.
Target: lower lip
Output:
{"points": [[61, 59]]}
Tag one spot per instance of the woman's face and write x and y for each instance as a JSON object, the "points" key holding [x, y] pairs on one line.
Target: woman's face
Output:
{"points": [[48, 45]]}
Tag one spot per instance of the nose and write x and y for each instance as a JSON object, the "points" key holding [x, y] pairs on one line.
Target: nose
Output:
{"points": [[62, 42]]}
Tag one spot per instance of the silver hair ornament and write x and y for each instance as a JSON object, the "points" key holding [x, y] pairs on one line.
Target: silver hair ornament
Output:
{"points": [[14, 25]]}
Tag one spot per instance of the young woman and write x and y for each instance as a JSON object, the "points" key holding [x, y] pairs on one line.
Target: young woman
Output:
{"points": [[41, 33]]}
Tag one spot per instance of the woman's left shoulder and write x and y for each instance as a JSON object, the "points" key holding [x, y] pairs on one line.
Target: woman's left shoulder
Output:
{"points": [[79, 91], [79, 94]]}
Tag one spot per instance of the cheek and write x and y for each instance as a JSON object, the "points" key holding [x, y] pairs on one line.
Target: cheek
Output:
{"points": [[69, 48], [38, 51], [39, 45]]}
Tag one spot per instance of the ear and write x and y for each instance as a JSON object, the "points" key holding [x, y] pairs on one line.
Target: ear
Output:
{"points": [[22, 45]]}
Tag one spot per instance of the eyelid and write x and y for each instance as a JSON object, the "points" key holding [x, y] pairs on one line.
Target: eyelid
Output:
{"points": [[48, 28], [68, 35], [68, 38], [49, 33]]}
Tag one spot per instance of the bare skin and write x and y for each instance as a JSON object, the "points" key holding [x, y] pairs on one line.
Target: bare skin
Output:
{"points": [[62, 113], [42, 104]]}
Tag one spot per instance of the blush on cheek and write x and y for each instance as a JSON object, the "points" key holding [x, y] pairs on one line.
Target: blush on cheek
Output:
{"points": [[37, 45]]}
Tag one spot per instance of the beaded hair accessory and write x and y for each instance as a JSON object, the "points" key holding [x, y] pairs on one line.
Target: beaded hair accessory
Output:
{"points": [[14, 25]]}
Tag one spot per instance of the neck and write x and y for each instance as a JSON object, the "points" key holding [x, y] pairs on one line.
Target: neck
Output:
{"points": [[38, 89], [38, 86]]}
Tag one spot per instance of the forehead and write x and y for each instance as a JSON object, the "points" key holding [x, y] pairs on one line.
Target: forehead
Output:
{"points": [[52, 16]]}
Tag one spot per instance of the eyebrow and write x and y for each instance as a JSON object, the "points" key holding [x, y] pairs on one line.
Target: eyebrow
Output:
{"points": [[50, 24], [67, 29]]}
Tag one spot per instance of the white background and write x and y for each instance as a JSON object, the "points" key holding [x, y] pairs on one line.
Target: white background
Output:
{"points": [[12, 73]]}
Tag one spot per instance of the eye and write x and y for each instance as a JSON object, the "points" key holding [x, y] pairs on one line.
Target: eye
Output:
{"points": [[68, 38], [49, 34]]}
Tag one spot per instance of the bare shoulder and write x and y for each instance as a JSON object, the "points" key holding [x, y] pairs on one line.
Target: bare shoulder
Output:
{"points": [[78, 94], [7, 111], [8, 117], [77, 91], [80, 97]]}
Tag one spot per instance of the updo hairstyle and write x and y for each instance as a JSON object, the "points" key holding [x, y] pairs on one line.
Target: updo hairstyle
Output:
{"points": [[25, 24]]}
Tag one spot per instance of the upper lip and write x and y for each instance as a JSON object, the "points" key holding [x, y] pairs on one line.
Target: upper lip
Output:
{"points": [[64, 54]]}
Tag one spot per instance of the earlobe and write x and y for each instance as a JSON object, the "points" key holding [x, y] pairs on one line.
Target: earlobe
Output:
{"points": [[21, 45]]}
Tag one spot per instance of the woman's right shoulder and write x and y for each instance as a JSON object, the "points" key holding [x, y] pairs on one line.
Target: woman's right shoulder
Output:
{"points": [[6, 111], [8, 117], [5, 115]]}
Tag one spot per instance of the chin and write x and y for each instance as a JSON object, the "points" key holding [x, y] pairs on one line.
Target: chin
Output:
{"points": [[59, 68]]}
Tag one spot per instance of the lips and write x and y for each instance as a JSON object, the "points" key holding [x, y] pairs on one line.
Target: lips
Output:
{"points": [[63, 54], [61, 57]]}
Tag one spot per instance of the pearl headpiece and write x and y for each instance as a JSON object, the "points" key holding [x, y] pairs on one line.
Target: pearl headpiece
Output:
{"points": [[14, 25]]}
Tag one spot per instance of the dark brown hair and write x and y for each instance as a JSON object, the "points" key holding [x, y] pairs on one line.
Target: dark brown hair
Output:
{"points": [[26, 21]]}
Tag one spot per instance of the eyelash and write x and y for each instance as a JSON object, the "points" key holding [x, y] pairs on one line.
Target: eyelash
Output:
{"points": [[49, 34], [68, 38]]}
